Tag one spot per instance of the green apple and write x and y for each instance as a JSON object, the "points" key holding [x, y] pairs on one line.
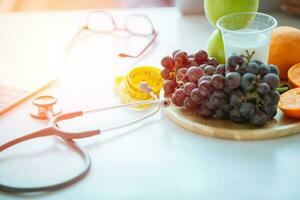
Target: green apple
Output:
{"points": [[215, 9], [215, 47]]}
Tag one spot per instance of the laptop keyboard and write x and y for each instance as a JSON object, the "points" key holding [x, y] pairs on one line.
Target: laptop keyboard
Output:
{"points": [[9, 96]]}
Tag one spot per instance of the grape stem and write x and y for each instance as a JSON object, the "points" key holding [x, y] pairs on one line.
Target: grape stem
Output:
{"points": [[258, 99], [249, 56], [282, 89]]}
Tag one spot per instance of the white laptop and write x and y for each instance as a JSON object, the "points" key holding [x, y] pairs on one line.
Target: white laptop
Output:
{"points": [[32, 53]]}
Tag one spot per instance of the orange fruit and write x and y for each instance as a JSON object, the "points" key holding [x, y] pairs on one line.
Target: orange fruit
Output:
{"points": [[284, 48], [289, 103], [294, 76]]}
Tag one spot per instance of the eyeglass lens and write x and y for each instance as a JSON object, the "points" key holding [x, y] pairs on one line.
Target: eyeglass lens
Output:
{"points": [[135, 24], [101, 22], [139, 25]]}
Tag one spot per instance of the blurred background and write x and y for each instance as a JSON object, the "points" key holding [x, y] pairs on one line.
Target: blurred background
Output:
{"points": [[29, 5], [185, 6]]}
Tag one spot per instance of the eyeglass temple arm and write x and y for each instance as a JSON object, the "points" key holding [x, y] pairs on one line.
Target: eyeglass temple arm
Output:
{"points": [[41, 133], [124, 55]]}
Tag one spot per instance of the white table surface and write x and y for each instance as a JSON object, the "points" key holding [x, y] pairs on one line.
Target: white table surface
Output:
{"points": [[155, 159]]}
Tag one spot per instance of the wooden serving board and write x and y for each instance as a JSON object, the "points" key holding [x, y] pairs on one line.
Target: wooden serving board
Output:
{"points": [[278, 127]]}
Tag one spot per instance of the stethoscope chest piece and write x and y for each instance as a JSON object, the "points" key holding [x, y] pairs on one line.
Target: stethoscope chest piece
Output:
{"points": [[43, 106]]}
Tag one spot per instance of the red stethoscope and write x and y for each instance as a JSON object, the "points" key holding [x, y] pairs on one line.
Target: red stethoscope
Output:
{"points": [[45, 107]]}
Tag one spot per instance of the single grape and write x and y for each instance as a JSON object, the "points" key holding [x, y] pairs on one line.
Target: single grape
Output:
{"points": [[258, 62], [209, 70], [263, 89], [252, 67], [218, 81], [272, 79], [271, 99], [168, 62], [270, 110], [232, 80], [275, 96], [236, 98], [205, 88], [209, 105], [212, 61], [259, 118], [181, 59], [194, 73], [181, 76], [221, 95], [204, 78], [221, 114], [166, 74], [178, 97], [230, 68], [242, 69], [247, 109], [189, 104], [204, 111], [218, 98], [274, 69], [196, 96], [200, 57], [235, 60], [263, 69], [220, 69], [169, 87], [268, 102], [235, 115], [191, 62], [226, 107], [188, 87], [248, 81], [174, 52]]}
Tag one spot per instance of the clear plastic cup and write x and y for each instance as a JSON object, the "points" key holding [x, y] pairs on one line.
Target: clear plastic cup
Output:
{"points": [[247, 34]]}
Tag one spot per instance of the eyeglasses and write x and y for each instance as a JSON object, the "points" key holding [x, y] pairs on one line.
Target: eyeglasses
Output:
{"points": [[99, 21]]}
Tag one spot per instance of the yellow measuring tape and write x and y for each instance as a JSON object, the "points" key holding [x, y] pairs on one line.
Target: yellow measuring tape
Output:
{"points": [[128, 87]]}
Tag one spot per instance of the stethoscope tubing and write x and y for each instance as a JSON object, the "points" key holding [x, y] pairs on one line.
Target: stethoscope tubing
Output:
{"points": [[87, 165], [67, 138]]}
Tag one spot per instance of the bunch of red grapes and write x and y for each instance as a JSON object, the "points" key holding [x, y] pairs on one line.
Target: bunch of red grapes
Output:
{"points": [[241, 91]]}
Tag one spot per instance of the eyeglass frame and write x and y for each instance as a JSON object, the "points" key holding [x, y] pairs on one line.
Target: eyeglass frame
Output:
{"points": [[116, 28]]}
